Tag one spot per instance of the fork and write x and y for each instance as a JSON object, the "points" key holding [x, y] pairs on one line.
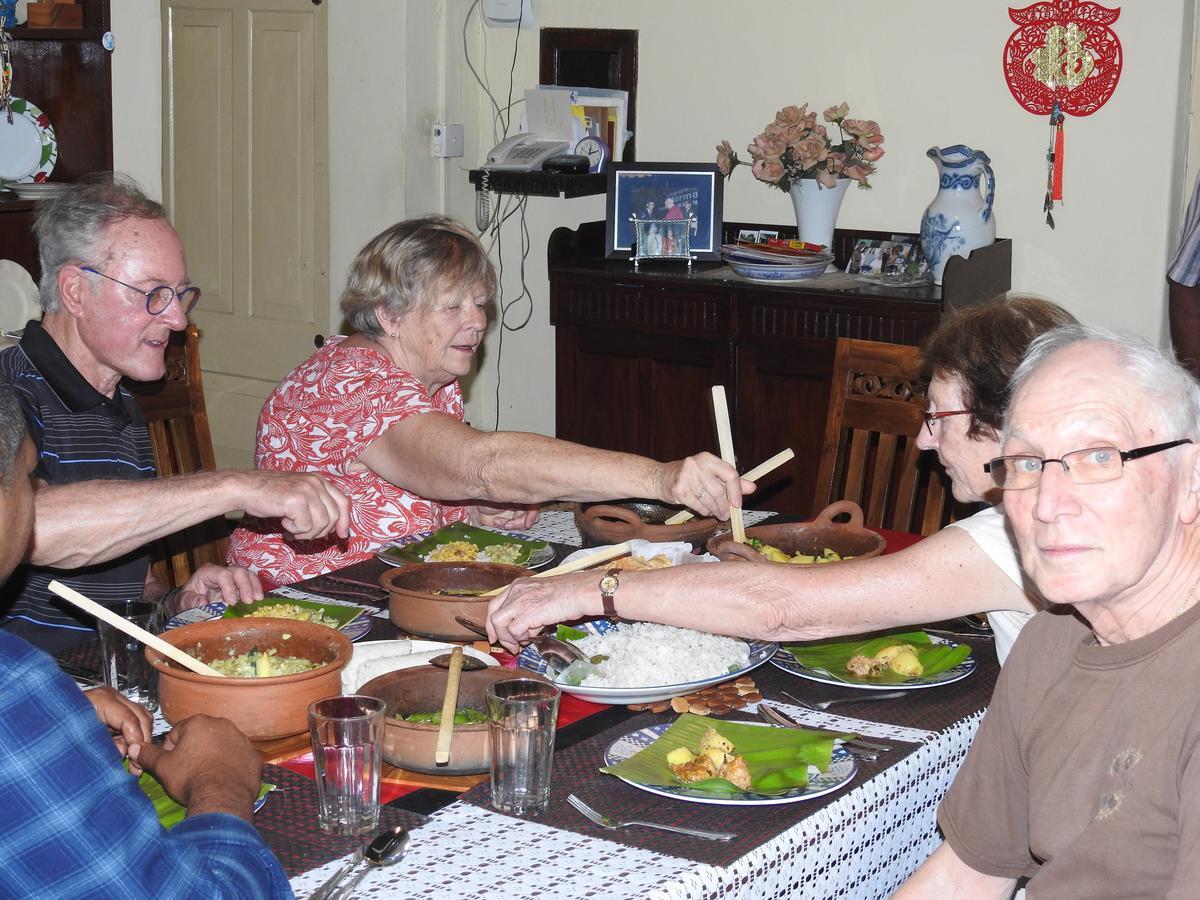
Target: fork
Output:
{"points": [[609, 822], [825, 704]]}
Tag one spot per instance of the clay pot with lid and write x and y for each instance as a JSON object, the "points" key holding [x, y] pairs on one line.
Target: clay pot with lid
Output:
{"points": [[848, 539], [627, 520]]}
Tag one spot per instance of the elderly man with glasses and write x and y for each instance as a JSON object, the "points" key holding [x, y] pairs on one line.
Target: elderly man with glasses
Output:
{"points": [[114, 286], [1084, 776]]}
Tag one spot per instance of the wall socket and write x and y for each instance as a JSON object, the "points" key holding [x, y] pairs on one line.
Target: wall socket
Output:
{"points": [[447, 140]]}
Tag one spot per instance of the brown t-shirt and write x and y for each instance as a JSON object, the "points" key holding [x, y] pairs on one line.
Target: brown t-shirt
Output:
{"points": [[1082, 775]]}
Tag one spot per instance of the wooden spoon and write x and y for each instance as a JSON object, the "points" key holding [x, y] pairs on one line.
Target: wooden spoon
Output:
{"points": [[134, 631], [441, 756], [725, 440]]}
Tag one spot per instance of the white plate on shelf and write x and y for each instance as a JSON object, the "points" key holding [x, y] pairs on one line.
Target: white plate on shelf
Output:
{"points": [[782, 273], [532, 661], [28, 147], [18, 297], [842, 767]]}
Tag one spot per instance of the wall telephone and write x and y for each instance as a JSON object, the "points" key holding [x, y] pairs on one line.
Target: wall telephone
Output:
{"points": [[519, 153]]}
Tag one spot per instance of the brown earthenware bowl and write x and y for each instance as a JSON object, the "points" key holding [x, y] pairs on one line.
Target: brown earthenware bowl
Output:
{"points": [[263, 708], [627, 520], [410, 745], [848, 540], [416, 609]]}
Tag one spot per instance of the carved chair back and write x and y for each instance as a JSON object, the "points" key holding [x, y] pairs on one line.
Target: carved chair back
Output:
{"points": [[177, 419], [870, 452]]}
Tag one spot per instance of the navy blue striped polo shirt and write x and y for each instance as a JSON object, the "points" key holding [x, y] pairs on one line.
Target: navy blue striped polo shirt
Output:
{"points": [[80, 435]]}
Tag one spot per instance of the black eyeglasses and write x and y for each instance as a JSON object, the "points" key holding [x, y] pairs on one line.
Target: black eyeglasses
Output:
{"points": [[931, 417], [158, 298], [1092, 466]]}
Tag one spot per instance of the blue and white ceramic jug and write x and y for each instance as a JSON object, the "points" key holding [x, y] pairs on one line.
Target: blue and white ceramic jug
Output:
{"points": [[960, 218]]}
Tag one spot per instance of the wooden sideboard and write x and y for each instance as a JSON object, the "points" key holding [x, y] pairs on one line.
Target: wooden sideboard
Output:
{"points": [[637, 351]]}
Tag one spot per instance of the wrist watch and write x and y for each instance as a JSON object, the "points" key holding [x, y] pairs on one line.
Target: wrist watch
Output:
{"points": [[608, 586]]}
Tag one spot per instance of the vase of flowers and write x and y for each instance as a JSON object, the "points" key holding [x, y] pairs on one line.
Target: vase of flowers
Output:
{"points": [[797, 154]]}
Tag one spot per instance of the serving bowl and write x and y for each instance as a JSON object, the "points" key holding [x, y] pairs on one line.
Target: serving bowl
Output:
{"points": [[416, 608], [626, 520], [262, 708], [849, 539], [410, 745]]}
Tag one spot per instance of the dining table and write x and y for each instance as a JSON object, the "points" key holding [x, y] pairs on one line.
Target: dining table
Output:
{"points": [[860, 841]]}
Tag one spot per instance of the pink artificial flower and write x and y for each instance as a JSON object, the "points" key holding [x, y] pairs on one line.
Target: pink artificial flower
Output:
{"points": [[858, 172], [791, 115], [871, 154], [765, 146], [836, 113], [768, 169], [811, 151], [726, 158], [827, 178]]}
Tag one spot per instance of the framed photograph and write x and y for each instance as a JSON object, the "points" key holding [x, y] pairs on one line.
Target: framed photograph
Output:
{"points": [[681, 195]]}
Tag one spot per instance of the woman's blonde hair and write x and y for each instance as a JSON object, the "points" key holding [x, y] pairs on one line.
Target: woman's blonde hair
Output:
{"points": [[410, 264]]}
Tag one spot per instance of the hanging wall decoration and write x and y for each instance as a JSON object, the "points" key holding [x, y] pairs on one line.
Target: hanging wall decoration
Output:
{"points": [[1062, 60]]}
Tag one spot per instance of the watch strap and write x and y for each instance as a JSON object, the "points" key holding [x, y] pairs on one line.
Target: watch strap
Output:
{"points": [[606, 597]]}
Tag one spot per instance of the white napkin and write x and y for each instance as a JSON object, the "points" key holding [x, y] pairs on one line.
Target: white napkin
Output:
{"points": [[374, 658], [18, 296], [680, 553]]}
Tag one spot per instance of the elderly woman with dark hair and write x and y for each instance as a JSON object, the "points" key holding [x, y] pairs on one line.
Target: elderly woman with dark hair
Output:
{"points": [[380, 414], [969, 567]]}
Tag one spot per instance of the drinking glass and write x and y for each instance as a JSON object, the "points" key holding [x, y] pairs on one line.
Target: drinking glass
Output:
{"points": [[123, 657], [522, 714], [347, 744]]}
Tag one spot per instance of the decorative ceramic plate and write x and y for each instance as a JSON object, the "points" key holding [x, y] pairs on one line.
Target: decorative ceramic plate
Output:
{"points": [[842, 767], [417, 547], [784, 660], [28, 147], [782, 273], [531, 660], [356, 629]]}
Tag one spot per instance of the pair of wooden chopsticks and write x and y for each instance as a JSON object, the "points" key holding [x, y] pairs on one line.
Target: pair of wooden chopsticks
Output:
{"points": [[763, 468]]}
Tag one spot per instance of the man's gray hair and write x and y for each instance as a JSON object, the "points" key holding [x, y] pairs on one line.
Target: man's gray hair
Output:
{"points": [[69, 225], [1169, 391], [12, 432]]}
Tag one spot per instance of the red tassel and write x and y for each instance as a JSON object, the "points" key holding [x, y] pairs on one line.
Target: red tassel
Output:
{"points": [[1059, 159]]}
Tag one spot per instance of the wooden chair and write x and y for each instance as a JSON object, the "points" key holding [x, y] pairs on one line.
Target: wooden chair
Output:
{"points": [[870, 452], [178, 422]]}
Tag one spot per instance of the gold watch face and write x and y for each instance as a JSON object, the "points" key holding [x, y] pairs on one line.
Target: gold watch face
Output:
{"points": [[608, 584]]}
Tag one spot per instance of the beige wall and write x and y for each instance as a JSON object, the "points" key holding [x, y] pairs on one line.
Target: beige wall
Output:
{"points": [[713, 70]]}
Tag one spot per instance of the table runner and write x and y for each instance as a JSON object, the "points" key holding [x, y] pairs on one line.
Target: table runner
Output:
{"points": [[575, 771]]}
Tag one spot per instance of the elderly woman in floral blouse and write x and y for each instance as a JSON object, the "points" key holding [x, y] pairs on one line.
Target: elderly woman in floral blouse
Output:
{"points": [[380, 413]]}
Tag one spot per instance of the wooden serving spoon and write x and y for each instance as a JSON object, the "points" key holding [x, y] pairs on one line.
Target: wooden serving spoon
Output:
{"points": [[441, 756]]}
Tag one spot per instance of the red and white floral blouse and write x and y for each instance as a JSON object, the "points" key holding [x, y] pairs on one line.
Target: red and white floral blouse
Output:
{"points": [[319, 419]]}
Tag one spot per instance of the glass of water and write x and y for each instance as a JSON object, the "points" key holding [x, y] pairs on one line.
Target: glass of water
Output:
{"points": [[522, 714], [124, 657], [347, 743]]}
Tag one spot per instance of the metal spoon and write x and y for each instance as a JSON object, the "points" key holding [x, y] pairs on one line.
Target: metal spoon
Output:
{"points": [[387, 848]]}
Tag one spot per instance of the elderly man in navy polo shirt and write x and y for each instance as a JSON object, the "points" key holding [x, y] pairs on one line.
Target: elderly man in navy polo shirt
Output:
{"points": [[114, 286]]}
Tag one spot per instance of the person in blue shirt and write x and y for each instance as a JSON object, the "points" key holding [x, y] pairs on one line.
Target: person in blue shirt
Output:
{"points": [[76, 824]]}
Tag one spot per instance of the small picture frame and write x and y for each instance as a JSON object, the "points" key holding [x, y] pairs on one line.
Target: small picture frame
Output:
{"points": [[875, 258], [675, 196]]}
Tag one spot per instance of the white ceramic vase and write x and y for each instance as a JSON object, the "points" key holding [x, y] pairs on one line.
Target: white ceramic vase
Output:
{"points": [[960, 217], [817, 208]]}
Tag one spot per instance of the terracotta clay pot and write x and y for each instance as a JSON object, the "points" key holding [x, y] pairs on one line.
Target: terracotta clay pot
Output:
{"points": [[410, 745], [416, 609], [849, 539], [627, 520], [263, 708]]}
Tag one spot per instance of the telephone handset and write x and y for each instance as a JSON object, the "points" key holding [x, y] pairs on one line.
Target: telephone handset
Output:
{"points": [[523, 153]]}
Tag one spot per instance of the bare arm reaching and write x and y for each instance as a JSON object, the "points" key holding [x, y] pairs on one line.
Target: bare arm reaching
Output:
{"points": [[91, 522], [943, 576], [436, 456], [945, 876]]}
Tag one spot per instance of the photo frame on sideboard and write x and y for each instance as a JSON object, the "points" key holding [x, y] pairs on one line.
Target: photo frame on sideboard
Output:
{"points": [[686, 193]]}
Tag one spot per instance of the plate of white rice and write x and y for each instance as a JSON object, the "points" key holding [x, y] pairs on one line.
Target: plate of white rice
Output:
{"points": [[648, 662]]}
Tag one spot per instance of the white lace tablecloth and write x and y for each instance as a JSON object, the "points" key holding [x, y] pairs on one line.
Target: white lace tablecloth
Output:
{"points": [[850, 848]]}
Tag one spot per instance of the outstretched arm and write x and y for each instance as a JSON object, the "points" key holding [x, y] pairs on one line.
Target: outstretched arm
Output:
{"points": [[91, 522], [943, 576], [436, 456]]}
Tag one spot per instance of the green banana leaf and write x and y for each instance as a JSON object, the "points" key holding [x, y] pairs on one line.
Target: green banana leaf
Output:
{"points": [[778, 758], [831, 657], [169, 812], [343, 615], [460, 531]]}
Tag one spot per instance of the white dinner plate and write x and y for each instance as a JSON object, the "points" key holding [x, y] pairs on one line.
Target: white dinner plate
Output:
{"points": [[356, 630], [784, 660], [28, 147], [842, 767], [532, 661]]}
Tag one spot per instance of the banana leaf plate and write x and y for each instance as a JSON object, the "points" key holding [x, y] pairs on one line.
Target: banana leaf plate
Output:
{"points": [[945, 662], [353, 621], [533, 552], [639, 759]]}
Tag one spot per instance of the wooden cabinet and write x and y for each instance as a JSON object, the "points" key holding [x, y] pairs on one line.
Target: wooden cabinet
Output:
{"points": [[67, 73], [636, 352]]}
